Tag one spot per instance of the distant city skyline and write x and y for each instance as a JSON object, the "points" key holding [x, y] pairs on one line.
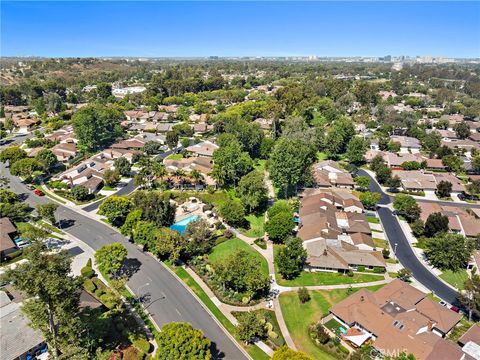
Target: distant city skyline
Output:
{"points": [[236, 29]]}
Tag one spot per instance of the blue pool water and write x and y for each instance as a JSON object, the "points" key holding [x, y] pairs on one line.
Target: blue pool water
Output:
{"points": [[342, 330], [181, 225]]}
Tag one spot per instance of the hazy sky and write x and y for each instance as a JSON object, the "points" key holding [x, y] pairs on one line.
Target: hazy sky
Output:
{"points": [[451, 29]]}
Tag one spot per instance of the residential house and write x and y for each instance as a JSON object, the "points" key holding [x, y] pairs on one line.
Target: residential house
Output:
{"points": [[63, 135], [202, 128], [129, 144], [418, 180], [203, 165], [25, 125], [265, 124], [205, 148], [65, 151], [8, 234], [18, 341], [407, 144], [459, 220], [335, 232], [328, 173], [466, 146], [470, 341], [398, 318]]}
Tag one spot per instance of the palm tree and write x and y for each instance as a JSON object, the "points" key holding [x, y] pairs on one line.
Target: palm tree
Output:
{"points": [[196, 176]]}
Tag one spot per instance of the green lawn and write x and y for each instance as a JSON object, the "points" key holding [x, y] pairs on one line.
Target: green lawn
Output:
{"points": [[254, 351], [373, 220], [455, 279], [175, 157], [256, 224], [334, 325], [299, 316], [379, 243], [225, 249], [323, 278]]}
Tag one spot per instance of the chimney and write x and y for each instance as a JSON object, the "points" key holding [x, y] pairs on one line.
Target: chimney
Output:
{"points": [[430, 325], [325, 252], [362, 298]]}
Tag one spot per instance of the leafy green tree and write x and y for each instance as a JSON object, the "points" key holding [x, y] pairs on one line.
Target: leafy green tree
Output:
{"points": [[172, 139], [104, 90], [47, 211], [290, 162], [280, 226], [279, 206], [303, 295], [53, 295], [182, 341], [363, 182], [452, 163], [470, 297], [436, 224], [109, 258], [12, 207], [383, 174], [232, 212], [431, 141], [291, 258], [394, 146], [356, 149], [144, 233], [444, 189], [156, 207], [462, 130], [111, 177], [370, 199], [418, 228], [47, 158], [53, 102], [242, 272], [152, 147], [449, 251], [394, 182], [404, 274], [474, 187], [149, 170], [199, 238], [26, 167], [407, 206], [376, 163], [252, 191], [115, 209], [168, 244], [476, 163], [285, 353], [123, 166], [250, 326], [80, 193], [131, 221], [8, 124], [230, 163], [96, 126], [12, 154]]}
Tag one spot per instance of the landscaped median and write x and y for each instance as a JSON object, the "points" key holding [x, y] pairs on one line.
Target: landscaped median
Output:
{"points": [[254, 351]]}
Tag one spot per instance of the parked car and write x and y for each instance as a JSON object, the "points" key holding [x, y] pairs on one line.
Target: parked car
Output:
{"points": [[456, 309], [38, 192], [30, 187]]}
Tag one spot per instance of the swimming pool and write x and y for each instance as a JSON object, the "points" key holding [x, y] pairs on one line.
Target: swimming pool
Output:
{"points": [[181, 225]]}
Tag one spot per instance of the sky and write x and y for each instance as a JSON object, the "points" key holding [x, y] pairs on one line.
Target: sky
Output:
{"points": [[184, 29]]}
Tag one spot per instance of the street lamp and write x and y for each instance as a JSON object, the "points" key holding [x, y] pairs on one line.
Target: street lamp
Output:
{"points": [[138, 291], [395, 250]]}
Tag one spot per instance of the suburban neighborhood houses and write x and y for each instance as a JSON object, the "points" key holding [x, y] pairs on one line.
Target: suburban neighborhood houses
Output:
{"points": [[163, 196]]}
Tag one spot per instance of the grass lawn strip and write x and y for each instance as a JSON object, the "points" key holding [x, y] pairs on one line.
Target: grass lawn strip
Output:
{"points": [[227, 248], [456, 279], [299, 316], [373, 220]]}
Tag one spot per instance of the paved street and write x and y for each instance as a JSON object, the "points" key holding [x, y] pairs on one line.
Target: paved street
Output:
{"points": [[167, 298], [404, 251]]}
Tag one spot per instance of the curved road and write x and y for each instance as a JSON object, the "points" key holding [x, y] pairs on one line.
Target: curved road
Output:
{"points": [[404, 252], [166, 298]]}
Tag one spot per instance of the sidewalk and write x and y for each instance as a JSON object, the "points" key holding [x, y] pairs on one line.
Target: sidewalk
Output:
{"points": [[227, 309]]}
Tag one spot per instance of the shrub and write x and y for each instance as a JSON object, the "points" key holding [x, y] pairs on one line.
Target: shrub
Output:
{"points": [[207, 207], [385, 253], [99, 293], [272, 335], [14, 254], [378, 269], [303, 295], [361, 268], [350, 273], [87, 272], [227, 234], [132, 353], [141, 344], [89, 286]]}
